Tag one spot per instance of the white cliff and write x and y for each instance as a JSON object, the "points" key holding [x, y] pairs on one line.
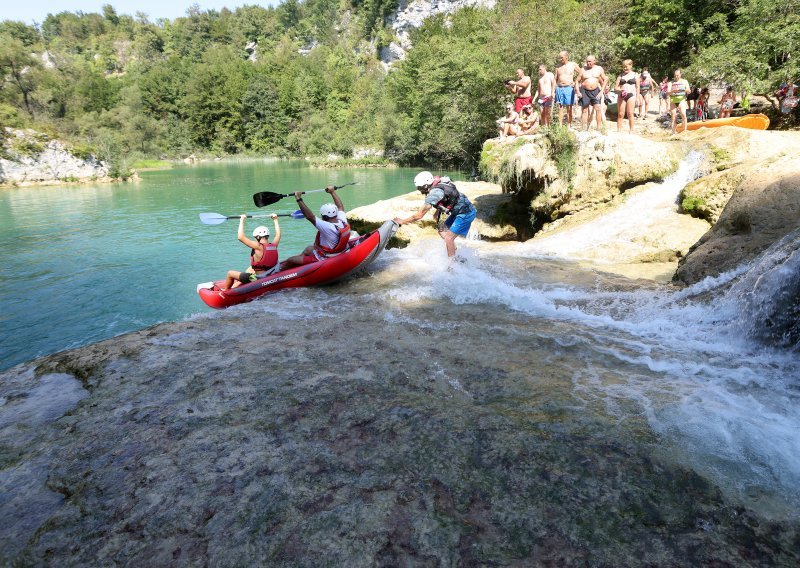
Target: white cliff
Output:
{"points": [[31, 158], [411, 14]]}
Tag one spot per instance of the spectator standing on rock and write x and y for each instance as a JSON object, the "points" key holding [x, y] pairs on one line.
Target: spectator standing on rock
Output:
{"points": [[647, 86], [627, 87], [663, 96], [726, 102], [592, 82], [565, 86], [521, 89], [545, 94], [441, 194], [678, 88]]}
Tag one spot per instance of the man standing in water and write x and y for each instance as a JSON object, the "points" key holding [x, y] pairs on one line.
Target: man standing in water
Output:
{"points": [[545, 94], [442, 194], [592, 82], [521, 89], [565, 90]]}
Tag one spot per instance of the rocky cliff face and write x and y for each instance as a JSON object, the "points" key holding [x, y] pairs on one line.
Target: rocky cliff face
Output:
{"points": [[752, 201], [411, 14], [31, 158]]}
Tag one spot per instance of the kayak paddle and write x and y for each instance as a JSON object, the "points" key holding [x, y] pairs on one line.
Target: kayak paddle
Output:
{"points": [[216, 218], [264, 198]]}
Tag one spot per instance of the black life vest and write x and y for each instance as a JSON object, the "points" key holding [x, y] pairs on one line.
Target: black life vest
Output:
{"points": [[451, 194]]}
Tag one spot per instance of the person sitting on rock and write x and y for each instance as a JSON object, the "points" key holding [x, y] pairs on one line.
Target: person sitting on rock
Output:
{"points": [[507, 125], [263, 254], [441, 194], [528, 120], [333, 231]]}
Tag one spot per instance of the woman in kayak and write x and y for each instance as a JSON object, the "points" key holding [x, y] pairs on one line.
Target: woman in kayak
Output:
{"points": [[333, 231], [263, 254]]}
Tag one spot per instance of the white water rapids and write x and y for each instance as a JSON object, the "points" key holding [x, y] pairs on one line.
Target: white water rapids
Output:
{"points": [[725, 405]]}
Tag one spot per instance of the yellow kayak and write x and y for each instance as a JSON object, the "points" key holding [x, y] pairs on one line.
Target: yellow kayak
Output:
{"points": [[752, 121]]}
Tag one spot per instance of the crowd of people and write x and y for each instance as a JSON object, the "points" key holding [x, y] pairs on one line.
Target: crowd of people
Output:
{"points": [[589, 89]]}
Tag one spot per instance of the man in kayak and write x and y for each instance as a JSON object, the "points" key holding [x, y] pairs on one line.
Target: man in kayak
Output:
{"points": [[263, 254], [333, 231], [442, 195]]}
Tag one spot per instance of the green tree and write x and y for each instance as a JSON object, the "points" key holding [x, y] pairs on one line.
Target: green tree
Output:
{"points": [[760, 49], [17, 69], [213, 102]]}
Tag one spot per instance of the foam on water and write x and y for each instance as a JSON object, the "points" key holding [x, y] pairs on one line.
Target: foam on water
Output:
{"points": [[726, 405]]}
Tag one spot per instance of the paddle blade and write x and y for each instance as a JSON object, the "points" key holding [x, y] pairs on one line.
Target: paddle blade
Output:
{"points": [[264, 198], [212, 218], [298, 215]]}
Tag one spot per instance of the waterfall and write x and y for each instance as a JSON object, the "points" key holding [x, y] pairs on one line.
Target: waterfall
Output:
{"points": [[767, 295]]}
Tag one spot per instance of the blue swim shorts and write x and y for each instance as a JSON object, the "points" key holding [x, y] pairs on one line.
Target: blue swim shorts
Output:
{"points": [[460, 224], [565, 95]]}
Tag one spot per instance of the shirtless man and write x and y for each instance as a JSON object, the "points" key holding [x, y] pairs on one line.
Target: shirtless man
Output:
{"points": [[521, 89], [565, 90], [545, 93], [592, 83]]}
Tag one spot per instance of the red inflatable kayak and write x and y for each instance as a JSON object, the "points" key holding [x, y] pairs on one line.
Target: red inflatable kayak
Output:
{"points": [[362, 251]]}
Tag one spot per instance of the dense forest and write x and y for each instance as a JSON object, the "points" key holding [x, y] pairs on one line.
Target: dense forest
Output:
{"points": [[304, 78]]}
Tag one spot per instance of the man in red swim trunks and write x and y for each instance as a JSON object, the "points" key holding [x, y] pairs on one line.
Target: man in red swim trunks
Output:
{"points": [[521, 89]]}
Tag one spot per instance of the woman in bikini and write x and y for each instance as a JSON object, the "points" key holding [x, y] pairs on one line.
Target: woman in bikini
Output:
{"points": [[646, 87], [627, 88], [663, 99], [727, 101], [678, 89]]}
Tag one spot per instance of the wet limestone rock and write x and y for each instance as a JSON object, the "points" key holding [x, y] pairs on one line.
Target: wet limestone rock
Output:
{"points": [[764, 207], [196, 444], [559, 172], [28, 157], [732, 154]]}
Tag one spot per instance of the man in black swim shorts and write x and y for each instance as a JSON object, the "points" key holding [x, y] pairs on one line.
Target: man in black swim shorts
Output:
{"points": [[591, 82]]}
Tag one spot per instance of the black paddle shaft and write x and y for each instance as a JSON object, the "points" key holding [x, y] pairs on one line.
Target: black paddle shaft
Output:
{"points": [[264, 198]]}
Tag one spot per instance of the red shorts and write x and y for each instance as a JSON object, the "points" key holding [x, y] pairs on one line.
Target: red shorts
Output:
{"points": [[310, 259], [521, 102]]}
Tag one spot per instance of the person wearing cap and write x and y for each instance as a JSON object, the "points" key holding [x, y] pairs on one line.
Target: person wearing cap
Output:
{"points": [[333, 231], [263, 254], [441, 194]]}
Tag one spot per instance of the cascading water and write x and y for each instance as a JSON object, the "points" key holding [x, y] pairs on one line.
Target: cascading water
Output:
{"points": [[712, 367], [768, 295]]}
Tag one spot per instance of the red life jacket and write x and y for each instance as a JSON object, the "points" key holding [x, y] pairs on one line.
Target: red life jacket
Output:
{"points": [[341, 245], [269, 257]]}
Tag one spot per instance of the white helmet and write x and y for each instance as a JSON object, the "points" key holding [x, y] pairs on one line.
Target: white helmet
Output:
{"points": [[328, 210], [423, 179], [261, 231]]}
